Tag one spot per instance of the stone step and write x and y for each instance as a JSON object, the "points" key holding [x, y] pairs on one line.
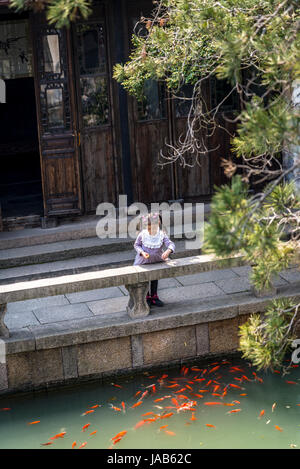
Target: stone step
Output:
{"points": [[64, 250], [66, 266], [72, 230]]}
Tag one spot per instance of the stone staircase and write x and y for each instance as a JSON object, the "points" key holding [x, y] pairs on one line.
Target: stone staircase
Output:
{"points": [[72, 248]]}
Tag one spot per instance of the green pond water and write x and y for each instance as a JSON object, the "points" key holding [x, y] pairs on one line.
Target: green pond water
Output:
{"points": [[62, 411]]}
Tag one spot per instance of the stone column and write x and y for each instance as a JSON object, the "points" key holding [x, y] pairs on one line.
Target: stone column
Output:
{"points": [[137, 305], [4, 332]]}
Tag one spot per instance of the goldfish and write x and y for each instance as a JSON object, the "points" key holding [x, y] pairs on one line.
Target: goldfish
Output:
{"points": [[115, 408], [170, 433], [34, 423], [164, 426], [189, 387], [59, 435], [209, 425], [261, 414], [74, 444], [120, 434], [233, 411], [278, 428], [83, 445], [291, 382], [116, 385], [167, 415], [273, 406], [193, 417], [117, 440], [175, 402], [213, 403], [137, 393], [214, 369], [148, 413], [235, 386], [88, 412], [139, 424], [136, 404], [47, 444], [5, 409], [85, 427], [123, 406], [159, 399], [93, 433], [243, 394], [95, 406]]}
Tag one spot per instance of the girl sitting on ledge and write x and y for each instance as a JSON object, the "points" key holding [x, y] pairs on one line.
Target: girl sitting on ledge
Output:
{"points": [[149, 247]]}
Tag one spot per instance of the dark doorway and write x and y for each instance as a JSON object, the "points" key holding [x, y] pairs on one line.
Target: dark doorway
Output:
{"points": [[20, 173]]}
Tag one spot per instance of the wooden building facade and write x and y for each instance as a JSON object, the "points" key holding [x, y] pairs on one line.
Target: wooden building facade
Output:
{"points": [[71, 137]]}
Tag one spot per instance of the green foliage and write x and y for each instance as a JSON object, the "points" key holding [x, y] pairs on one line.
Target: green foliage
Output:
{"points": [[266, 340], [58, 12]]}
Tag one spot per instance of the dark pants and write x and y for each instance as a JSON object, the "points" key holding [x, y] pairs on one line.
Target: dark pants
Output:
{"points": [[154, 284]]}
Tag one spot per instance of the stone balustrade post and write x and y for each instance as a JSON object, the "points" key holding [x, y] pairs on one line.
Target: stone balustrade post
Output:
{"points": [[137, 305], [4, 332]]}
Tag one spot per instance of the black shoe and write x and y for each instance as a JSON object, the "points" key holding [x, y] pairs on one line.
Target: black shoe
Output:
{"points": [[156, 301], [149, 300]]}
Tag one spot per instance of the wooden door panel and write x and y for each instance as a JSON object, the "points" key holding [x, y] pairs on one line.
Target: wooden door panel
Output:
{"points": [[57, 125], [192, 181], [95, 108], [97, 167], [153, 183]]}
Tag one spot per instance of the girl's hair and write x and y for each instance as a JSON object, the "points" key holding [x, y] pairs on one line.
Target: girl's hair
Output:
{"points": [[151, 218]]}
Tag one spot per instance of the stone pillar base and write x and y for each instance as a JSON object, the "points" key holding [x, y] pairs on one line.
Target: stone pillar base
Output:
{"points": [[137, 305], [4, 332]]}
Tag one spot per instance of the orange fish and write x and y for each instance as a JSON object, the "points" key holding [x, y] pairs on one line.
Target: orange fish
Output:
{"points": [[117, 440], [214, 369], [83, 445], [123, 406], [160, 399], [88, 412], [74, 444], [234, 411], [137, 393], [121, 434], [278, 428], [213, 403], [59, 435], [95, 406], [164, 426], [261, 414], [193, 417], [209, 425], [136, 404], [47, 444], [116, 408], [116, 385], [139, 424], [85, 427], [175, 402], [147, 413], [93, 433], [170, 433], [5, 409], [235, 386], [34, 423], [291, 382], [167, 415]]}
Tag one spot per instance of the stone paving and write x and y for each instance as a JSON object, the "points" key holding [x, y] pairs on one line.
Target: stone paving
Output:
{"points": [[111, 301]]}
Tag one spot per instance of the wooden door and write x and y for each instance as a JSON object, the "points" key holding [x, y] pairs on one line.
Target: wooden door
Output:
{"points": [[192, 180], [149, 127], [58, 137], [95, 108]]}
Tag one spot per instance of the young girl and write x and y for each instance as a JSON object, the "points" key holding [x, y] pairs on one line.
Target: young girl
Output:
{"points": [[149, 247]]}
